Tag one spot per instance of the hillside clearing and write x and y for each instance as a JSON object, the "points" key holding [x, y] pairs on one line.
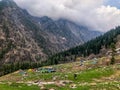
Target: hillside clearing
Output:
{"points": [[88, 78]]}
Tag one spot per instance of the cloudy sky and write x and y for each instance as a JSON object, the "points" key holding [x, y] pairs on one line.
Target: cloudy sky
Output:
{"points": [[101, 15]]}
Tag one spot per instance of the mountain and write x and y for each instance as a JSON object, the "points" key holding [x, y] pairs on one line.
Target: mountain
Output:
{"points": [[27, 38], [66, 34], [17, 41], [97, 47]]}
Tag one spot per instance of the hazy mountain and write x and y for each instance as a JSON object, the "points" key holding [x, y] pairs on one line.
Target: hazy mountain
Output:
{"points": [[66, 33], [27, 38]]}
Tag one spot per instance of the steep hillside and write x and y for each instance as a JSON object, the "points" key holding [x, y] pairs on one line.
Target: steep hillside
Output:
{"points": [[65, 34], [17, 41], [27, 38], [96, 46]]}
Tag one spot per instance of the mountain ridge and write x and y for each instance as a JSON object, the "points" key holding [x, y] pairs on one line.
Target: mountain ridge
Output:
{"points": [[24, 38], [98, 47]]}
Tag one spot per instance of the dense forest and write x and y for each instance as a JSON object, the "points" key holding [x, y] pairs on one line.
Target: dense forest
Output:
{"points": [[11, 67], [91, 47]]}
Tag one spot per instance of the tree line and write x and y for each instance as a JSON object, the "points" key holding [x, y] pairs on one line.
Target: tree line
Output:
{"points": [[11, 67]]}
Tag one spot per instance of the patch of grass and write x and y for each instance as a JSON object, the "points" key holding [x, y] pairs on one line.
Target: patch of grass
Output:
{"points": [[15, 86], [89, 75], [84, 81], [67, 87], [108, 86]]}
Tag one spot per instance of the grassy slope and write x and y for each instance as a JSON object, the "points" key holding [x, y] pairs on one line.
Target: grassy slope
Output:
{"points": [[15, 86], [95, 78]]}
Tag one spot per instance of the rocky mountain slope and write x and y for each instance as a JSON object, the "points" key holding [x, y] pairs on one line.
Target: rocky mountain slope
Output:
{"points": [[17, 41], [64, 34], [27, 38]]}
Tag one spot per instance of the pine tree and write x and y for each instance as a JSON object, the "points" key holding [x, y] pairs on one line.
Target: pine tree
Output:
{"points": [[113, 53]]}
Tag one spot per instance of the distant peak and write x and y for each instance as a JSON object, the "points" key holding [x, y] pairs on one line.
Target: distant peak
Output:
{"points": [[9, 3], [45, 18], [6, 0]]}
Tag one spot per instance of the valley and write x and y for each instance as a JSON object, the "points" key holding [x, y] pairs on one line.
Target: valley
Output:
{"points": [[90, 76], [58, 53]]}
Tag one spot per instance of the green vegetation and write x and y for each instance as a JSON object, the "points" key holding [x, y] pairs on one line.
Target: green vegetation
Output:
{"points": [[89, 75], [99, 86], [113, 53], [99, 78], [112, 60], [85, 76], [15, 86], [8, 68], [91, 47]]}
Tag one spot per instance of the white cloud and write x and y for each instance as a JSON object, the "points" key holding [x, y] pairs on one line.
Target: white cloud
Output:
{"points": [[88, 12], [107, 17]]}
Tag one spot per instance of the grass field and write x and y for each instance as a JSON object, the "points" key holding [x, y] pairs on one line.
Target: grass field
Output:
{"points": [[15, 86], [88, 78]]}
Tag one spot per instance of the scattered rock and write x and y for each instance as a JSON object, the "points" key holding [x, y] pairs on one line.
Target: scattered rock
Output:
{"points": [[83, 84], [45, 83], [59, 84], [43, 88], [9, 83], [93, 84], [29, 84], [73, 86], [54, 78]]}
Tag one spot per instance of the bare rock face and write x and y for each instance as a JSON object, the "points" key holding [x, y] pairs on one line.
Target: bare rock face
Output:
{"points": [[16, 40], [27, 38]]}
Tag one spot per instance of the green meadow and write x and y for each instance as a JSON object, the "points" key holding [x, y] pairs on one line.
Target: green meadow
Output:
{"points": [[88, 78]]}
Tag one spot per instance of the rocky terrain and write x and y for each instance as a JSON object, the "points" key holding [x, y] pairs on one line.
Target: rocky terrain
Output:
{"points": [[27, 38]]}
